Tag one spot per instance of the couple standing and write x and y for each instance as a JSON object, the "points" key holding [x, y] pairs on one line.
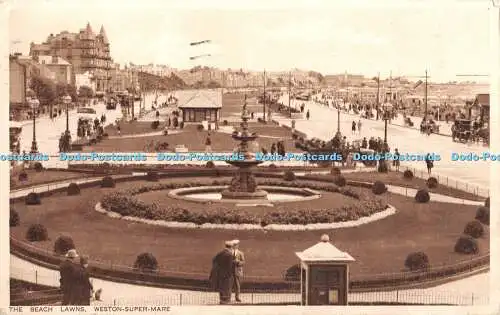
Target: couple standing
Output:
{"points": [[75, 279], [227, 271]]}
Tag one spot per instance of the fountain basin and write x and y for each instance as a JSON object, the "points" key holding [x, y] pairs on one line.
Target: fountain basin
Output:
{"points": [[271, 194]]}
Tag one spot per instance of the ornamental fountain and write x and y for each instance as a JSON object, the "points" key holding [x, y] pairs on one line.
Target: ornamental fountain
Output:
{"points": [[243, 184]]}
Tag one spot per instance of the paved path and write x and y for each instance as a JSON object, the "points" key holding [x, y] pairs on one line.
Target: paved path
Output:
{"points": [[472, 290]]}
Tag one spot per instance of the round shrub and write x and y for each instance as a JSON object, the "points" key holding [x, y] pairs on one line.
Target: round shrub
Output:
{"points": [[335, 171], [408, 174], [23, 176], [62, 244], [200, 127], [340, 181], [483, 215], [289, 176], [108, 182], [152, 176], [466, 245], [146, 262], [422, 196], [37, 233], [210, 164], [272, 165], [379, 188], [73, 189], [417, 261], [32, 199], [487, 203], [155, 124], [474, 229], [14, 219], [38, 167], [432, 182]]}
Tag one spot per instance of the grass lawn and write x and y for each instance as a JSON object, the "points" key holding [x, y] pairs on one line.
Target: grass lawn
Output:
{"points": [[45, 176], [194, 140], [378, 247], [397, 179]]}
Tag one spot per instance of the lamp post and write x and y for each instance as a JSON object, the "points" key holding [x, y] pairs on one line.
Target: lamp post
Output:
{"points": [[34, 102], [338, 121], [67, 100]]}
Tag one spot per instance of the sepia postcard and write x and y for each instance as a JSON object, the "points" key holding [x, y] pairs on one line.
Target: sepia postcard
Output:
{"points": [[250, 157]]}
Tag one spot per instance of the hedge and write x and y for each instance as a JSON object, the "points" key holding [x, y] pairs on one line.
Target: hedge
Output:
{"points": [[417, 261], [210, 164], [422, 196], [38, 166], [62, 244], [152, 176], [335, 171], [37, 233], [474, 229], [108, 182], [466, 245], [340, 181], [23, 176], [289, 176], [379, 188], [32, 198], [73, 189], [408, 174], [432, 182], [483, 215], [146, 262]]}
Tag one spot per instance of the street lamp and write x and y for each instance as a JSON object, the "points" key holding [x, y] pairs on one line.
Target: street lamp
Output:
{"points": [[34, 103], [125, 98], [67, 100], [338, 120]]}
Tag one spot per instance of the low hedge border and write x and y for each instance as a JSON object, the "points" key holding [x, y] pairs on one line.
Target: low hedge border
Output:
{"points": [[162, 279], [125, 204]]}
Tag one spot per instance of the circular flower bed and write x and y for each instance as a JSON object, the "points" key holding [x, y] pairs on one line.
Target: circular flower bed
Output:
{"points": [[126, 204]]}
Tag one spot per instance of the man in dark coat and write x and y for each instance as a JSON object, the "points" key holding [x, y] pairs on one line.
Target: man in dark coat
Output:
{"points": [[67, 270], [221, 276], [83, 286]]}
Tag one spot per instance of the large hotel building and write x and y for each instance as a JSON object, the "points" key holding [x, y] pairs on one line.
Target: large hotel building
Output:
{"points": [[86, 51]]}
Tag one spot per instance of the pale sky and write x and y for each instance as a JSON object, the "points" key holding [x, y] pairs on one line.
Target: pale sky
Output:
{"points": [[363, 37]]}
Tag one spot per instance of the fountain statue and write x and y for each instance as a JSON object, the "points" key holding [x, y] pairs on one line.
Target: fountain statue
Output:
{"points": [[243, 184]]}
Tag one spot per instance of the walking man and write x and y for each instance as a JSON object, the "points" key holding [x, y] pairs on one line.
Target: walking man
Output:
{"points": [[239, 261], [359, 126], [67, 271], [221, 275]]}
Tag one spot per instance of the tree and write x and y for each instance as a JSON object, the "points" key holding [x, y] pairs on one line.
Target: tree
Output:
{"points": [[85, 91], [213, 85], [44, 88]]}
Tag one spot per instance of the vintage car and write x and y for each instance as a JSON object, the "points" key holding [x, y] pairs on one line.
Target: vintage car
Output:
{"points": [[462, 130]]}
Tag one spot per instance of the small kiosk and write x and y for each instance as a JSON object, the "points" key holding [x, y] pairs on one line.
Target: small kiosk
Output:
{"points": [[324, 278]]}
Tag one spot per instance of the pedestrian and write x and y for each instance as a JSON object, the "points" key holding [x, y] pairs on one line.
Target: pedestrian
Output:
{"points": [[83, 285], [364, 143], [67, 272], [359, 126], [239, 261], [429, 162], [119, 130], [208, 144], [353, 127], [308, 115], [221, 275], [252, 114], [395, 160]]}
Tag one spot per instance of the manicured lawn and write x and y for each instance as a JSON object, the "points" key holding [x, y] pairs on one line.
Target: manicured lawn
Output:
{"points": [[192, 139], [417, 183], [378, 247], [45, 176], [133, 128]]}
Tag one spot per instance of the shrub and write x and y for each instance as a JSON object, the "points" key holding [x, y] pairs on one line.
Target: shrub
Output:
{"points": [[466, 245], [146, 262], [417, 261], [152, 176], [155, 124], [23, 176], [487, 203], [210, 164], [432, 182], [37, 233], [289, 176], [62, 244], [73, 189], [474, 229], [483, 215], [422, 196], [382, 167], [272, 165], [38, 166], [14, 219], [335, 171], [200, 127], [293, 273], [408, 174], [379, 188], [340, 181], [108, 182], [32, 199]]}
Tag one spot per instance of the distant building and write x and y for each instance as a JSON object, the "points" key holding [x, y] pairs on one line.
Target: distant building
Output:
{"points": [[84, 79], [85, 51], [60, 67], [483, 102], [18, 81]]}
